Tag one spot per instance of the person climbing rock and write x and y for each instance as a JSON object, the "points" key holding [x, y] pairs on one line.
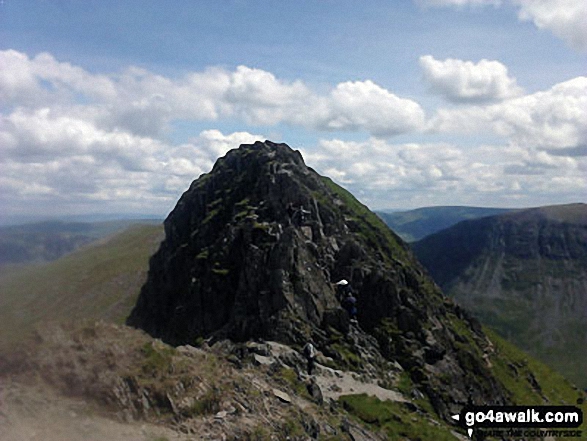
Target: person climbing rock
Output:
{"points": [[342, 289], [310, 353], [350, 305], [290, 211]]}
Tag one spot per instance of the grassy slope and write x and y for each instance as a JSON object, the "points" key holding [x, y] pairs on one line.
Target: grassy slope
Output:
{"points": [[100, 281]]}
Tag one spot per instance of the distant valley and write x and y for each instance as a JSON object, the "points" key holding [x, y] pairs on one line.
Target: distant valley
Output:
{"points": [[49, 240], [524, 274], [413, 225]]}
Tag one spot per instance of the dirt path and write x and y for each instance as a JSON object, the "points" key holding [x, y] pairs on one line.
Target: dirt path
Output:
{"points": [[35, 413], [334, 383]]}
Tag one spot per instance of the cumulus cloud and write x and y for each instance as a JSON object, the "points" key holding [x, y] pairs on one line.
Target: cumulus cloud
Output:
{"points": [[72, 139], [551, 119], [145, 103], [353, 105], [58, 161], [71, 135], [567, 19], [465, 81], [410, 175]]}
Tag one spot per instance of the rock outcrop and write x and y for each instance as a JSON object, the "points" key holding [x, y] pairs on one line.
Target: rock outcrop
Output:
{"points": [[253, 249]]}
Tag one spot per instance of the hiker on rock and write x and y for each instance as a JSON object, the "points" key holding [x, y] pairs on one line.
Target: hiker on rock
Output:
{"points": [[290, 209], [297, 215], [310, 353], [350, 305], [343, 287]]}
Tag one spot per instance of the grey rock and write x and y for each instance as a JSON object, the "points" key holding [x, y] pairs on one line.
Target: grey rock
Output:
{"points": [[282, 396], [315, 391]]}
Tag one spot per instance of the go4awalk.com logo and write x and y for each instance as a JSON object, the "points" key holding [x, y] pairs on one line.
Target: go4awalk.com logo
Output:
{"points": [[522, 421]]}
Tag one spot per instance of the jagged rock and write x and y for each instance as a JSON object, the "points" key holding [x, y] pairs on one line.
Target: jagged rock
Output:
{"points": [[262, 360], [282, 396], [337, 318], [259, 348], [311, 426]]}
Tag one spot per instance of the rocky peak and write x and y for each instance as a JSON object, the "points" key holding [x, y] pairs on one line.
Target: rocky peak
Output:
{"points": [[253, 249]]}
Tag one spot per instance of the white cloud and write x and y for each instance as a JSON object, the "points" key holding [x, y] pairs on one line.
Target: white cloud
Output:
{"points": [[145, 103], [465, 81], [411, 175], [355, 105], [75, 140], [255, 86], [44, 135], [55, 162], [567, 19], [551, 119]]}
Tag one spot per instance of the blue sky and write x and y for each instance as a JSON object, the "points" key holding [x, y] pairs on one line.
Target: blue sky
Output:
{"points": [[117, 106]]}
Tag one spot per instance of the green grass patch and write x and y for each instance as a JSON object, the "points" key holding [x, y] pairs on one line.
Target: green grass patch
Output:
{"points": [[210, 215], [396, 420], [349, 359], [368, 225], [208, 404], [220, 271], [156, 360], [203, 255], [513, 366], [289, 377]]}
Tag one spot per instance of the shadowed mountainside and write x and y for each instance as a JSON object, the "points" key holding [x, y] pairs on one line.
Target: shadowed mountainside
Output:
{"points": [[523, 273]]}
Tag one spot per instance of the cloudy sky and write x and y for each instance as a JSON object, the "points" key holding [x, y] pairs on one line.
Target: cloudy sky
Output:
{"points": [[115, 107]]}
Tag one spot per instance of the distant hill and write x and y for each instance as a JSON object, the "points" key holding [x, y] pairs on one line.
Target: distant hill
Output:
{"points": [[413, 225], [49, 240], [99, 281], [523, 273]]}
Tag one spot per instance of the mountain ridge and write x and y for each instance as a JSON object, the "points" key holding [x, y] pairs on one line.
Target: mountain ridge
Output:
{"points": [[522, 273], [414, 225]]}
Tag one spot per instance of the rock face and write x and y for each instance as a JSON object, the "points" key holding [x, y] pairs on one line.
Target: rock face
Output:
{"points": [[525, 274], [253, 250]]}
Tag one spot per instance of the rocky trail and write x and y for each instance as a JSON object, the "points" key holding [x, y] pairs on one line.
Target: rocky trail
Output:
{"points": [[109, 382]]}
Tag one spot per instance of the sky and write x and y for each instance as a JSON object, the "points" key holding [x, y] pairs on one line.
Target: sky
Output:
{"points": [[116, 107]]}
